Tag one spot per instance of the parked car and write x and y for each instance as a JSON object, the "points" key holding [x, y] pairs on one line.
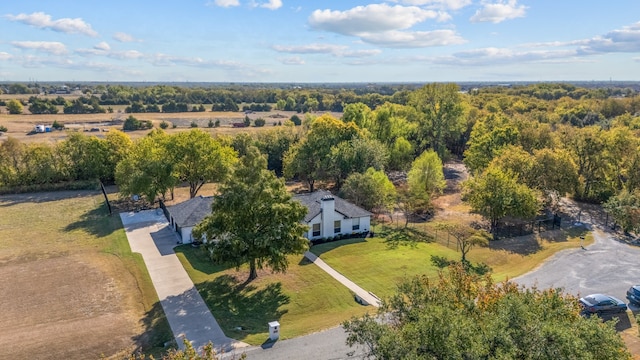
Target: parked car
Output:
{"points": [[600, 304], [633, 295]]}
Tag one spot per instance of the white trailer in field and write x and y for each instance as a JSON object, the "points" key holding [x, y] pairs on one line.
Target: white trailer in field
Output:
{"points": [[42, 128]]}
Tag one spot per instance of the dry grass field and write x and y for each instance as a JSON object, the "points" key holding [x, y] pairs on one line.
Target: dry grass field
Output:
{"points": [[71, 288], [21, 126]]}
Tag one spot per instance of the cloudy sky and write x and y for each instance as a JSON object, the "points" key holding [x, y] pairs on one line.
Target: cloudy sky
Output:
{"points": [[320, 41]]}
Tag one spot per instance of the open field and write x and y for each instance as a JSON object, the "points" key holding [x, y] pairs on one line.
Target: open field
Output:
{"points": [[21, 126], [304, 299], [71, 288]]}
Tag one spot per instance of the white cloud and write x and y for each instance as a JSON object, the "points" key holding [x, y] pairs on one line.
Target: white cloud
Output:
{"points": [[309, 49], [439, 4], [413, 39], [64, 25], [5, 56], [124, 37], [224, 3], [492, 56], [296, 60], [335, 50], [102, 46], [126, 55], [499, 11], [51, 47], [370, 19], [272, 4], [626, 39]]}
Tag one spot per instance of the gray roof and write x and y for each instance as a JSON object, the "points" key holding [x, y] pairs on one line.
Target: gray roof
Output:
{"points": [[312, 202], [192, 211]]}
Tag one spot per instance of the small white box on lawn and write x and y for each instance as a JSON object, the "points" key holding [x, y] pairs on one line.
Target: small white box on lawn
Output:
{"points": [[274, 330]]}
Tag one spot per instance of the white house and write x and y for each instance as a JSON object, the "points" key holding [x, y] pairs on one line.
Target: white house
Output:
{"points": [[329, 215], [184, 216]]}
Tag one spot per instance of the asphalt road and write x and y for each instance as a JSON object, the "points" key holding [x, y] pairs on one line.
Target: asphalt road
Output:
{"points": [[607, 266]]}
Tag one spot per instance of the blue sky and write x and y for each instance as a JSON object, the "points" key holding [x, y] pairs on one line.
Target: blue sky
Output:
{"points": [[320, 41]]}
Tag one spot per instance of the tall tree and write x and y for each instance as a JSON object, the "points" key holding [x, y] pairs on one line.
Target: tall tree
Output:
{"points": [[495, 194], [371, 190], [463, 316], [199, 159], [356, 155], [426, 177], [442, 115], [254, 220], [147, 169]]}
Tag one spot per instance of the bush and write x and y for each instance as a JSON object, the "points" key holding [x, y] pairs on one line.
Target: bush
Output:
{"points": [[259, 122], [295, 119], [3, 128], [440, 262], [56, 125], [210, 124], [217, 123], [164, 125], [173, 125], [131, 123], [194, 124]]}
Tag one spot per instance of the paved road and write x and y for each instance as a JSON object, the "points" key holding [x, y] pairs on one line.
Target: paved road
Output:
{"points": [[325, 345], [188, 315], [607, 266]]}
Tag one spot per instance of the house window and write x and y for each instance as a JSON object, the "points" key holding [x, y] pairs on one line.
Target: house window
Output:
{"points": [[356, 224], [316, 230], [336, 226]]}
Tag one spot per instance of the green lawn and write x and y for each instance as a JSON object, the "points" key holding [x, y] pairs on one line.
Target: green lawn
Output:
{"points": [[377, 265], [303, 300]]}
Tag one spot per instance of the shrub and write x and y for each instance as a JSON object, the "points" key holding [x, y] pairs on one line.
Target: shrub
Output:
{"points": [[56, 125], [194, 124], [131, 123], [440, 261], [164, 125], [217, 123], [295, 119], [173, 125], [210, 124], [259, 122], [3, 128], [247, 121]]}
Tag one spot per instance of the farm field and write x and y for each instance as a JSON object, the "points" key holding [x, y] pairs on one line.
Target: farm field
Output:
{"points": [[21, 126], [72, 289]]}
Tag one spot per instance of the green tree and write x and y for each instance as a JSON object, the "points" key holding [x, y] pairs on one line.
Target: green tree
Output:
{"points": [[254, 220], [442, 115], [147, 169], [467, 238], [14, 107], [86, 157], [488, 137], [199, 159], [495, 194], [426, 177], [401, 154], [371, 190], [275, 144], [464, 316], [624, 208], [356, 155]]}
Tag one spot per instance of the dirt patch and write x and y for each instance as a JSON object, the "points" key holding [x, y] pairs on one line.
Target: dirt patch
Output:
{"points": [[62, 307]]}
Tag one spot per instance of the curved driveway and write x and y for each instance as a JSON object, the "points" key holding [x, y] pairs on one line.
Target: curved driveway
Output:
{"points": [[607, 266]]}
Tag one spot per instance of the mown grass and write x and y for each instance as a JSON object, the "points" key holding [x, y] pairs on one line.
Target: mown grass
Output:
{"points": [[378, 265], [70, 223], [304, 299]]}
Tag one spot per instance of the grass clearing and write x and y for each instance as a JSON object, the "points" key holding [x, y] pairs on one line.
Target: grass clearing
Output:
{"points": [[67, 273], [378, 265], [304, 299]]}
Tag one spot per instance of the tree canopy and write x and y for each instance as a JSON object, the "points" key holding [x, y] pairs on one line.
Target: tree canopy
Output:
{"points": [[465, 316], [254, 220]]}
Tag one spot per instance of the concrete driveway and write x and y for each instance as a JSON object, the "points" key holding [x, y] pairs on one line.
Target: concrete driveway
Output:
{"points": [[189, 317], [607, 266]]}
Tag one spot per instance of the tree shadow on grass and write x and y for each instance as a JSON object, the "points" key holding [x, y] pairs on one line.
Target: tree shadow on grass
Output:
{"points": [[156, 332], [199, 259], [403, 237], [44, 197], [530, 244], [242, 308], [96, 222]]}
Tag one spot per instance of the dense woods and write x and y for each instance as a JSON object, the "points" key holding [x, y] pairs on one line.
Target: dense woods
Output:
{"points": [[525, 146]]}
